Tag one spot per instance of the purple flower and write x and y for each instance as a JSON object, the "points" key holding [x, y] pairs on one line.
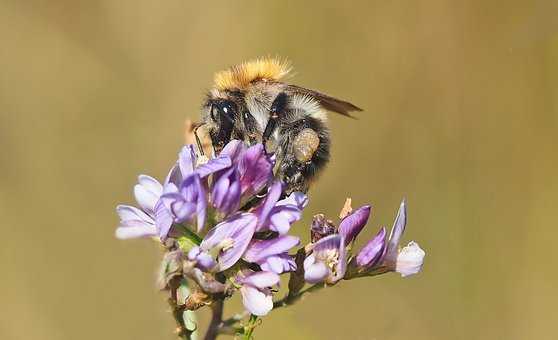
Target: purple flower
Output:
{"points": [[407, 261], [229, 239], [225, 191], [189, 163], [353, 223], [188, 202], [203, 260], [328, 261], [256, 292], [280, 215], [136, 222], [254, 166], [272, 255], [373, 251]]}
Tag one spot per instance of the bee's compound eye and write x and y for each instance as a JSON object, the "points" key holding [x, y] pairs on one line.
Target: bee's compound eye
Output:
{"points": [[227, 108]]}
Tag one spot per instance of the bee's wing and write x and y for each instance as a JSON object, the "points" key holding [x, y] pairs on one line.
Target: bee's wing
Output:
{"points": [[329, 103]]}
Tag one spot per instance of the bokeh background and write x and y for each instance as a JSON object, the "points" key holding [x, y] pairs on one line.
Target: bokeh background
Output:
{"points": [[461, 117]]}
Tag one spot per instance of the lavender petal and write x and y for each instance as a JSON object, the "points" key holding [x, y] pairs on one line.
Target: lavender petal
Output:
{"points": [[353, 224], [371, 253], [260, 280], [256, 301], [260, 249], [314, 271], [396, 232]]}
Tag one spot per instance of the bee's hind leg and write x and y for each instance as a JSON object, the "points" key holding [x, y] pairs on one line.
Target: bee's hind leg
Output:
{"points": [[309, 148]]}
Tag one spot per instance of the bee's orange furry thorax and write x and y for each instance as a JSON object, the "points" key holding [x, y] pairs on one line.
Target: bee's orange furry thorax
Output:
{"points": [[240, 76]]}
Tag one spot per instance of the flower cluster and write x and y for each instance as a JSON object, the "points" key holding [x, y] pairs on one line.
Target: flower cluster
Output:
{"points": [[225, 223], [330, 257], [197, 191]]}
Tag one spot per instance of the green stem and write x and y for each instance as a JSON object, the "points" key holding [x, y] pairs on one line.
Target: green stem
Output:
{"points": [[249, 328], [177, 313]]}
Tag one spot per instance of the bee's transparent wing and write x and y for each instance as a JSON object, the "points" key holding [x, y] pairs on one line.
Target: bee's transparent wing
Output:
{"points": [[329, 103]]}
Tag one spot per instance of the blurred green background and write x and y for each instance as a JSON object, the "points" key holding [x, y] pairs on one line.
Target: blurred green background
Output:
{"points": [[461, 117]]}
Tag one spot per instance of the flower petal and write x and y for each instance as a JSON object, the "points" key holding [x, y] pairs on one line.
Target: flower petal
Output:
{"points": [[396, 232], [260, 279], [234, 149], [213, 165], [256, 170], [314, 271], [204, 261], [341, 265], [410, 259], [370, 254], [352, 224], [134, 229], [255, 301], [145, 198], [269, 202], [278, 263], [260, 249], [127, 212], [150, 184], [187, 160], [239, 229], [298, 199], [163, 219], [323, 247]]}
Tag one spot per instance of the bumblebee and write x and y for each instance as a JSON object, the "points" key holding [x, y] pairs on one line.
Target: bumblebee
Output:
{"points": [[250, 102]]}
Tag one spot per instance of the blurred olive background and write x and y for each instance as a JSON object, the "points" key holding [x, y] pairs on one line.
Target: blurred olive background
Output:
{"points": [[461, 118]]}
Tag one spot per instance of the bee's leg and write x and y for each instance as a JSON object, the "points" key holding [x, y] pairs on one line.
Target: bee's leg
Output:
{"points": [[308, 152], [277, 108]]}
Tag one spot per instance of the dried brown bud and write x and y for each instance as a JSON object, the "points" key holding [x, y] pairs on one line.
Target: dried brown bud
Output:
{"points": [[196, 300], [321, 227]]}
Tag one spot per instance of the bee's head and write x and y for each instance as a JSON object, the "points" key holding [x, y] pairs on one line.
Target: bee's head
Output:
{"points": [[220, 113]]}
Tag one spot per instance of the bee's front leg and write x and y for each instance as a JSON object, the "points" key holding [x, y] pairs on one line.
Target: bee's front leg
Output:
{"points": [[277, 108]]}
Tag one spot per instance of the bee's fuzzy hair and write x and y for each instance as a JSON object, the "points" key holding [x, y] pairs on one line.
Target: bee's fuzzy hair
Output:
{"points": [[240, 76]]}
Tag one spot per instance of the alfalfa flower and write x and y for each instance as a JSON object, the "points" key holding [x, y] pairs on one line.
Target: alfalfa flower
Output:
{"points": [[140, 222], [328, 260], [228, 240], [255, 288], [408, 260]]}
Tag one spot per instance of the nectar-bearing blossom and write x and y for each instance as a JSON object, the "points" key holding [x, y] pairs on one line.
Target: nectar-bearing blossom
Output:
{"points": [[328, 261], [229, 239], [225, 224], [407, 261], [256, 292], [188, 202], [140, 222], [278, 215]]}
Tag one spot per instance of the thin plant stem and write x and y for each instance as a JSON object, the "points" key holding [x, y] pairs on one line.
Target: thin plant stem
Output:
{"points": [[177, 312], [216, 320], [249, 329]]}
